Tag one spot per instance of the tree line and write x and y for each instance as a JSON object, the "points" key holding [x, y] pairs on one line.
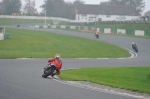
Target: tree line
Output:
{"points": [[59, 8]]}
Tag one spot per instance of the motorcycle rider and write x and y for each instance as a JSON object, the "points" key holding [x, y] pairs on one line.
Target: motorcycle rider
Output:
{"points": [[57, 62], [96, 33], [134, 45]]}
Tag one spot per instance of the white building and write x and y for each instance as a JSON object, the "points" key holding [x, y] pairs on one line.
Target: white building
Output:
{"points": [[91, 13]]}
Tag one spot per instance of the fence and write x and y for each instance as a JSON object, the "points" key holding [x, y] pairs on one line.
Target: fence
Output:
{"points": [[74, 22], [106, 22]]}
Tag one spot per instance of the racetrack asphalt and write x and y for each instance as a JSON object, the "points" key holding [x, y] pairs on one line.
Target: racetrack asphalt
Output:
{"points": [[21, 78]]}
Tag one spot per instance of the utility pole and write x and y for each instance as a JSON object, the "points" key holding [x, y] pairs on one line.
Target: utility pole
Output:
{"points": [[45, 11]]}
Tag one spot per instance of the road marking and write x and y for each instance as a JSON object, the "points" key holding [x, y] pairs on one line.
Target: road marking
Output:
{"points": [[106, 90], [101, 89]]}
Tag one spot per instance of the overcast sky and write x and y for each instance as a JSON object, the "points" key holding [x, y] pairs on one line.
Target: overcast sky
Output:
{"points": [[39, 2]]}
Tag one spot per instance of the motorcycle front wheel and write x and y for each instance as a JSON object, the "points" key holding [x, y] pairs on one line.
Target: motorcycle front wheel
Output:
{"points": [[47, 73]]}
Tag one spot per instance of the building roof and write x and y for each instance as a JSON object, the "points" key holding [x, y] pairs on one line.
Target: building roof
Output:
{"points": [[147, 16], [107, 10]]}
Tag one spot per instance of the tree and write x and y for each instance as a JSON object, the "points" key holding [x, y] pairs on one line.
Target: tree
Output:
{"points": [[70, 11], [8, 7], [139, 5], [114, 2], [105, 3], [111, 2], [78, 2], [54, 8], [29, 8], [60, 8], [1, 8]]}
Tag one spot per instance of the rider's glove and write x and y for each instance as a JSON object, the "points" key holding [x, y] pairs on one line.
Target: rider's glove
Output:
{"points": [[48, 60]]}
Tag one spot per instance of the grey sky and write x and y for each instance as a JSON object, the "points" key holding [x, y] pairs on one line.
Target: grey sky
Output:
{"points": [[39, 2]]}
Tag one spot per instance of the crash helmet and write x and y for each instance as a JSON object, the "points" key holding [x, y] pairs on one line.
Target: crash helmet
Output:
{"points": [[133, 43], [57, 56]]}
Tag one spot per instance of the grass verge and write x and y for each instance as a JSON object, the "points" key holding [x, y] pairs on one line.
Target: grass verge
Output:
{"points": [[130, 78], [38, 44], [12, 21]]}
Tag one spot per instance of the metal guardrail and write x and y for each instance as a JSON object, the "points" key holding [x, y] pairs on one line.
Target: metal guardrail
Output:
{"points": [[108, 22]]}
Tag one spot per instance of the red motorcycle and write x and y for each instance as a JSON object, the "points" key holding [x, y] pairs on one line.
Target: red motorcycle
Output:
{"points": [[50, 70], [97, 35]]}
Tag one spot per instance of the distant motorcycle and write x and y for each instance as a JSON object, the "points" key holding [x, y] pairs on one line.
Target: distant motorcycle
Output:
{"points": [[135, 48], [18, 25], [97, 36], [49, 70]]}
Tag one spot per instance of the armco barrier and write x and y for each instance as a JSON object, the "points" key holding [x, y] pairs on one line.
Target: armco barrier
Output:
{"points": [[147, 33], [1, 36], [31, 26], [41, 27], [98, 29], [6, 36], [113, 30], [93, 28], [131, 32], [72, 27], [67, 27], [53, 27], [102, 30], [86, 28], [45, 26], [139, 33], [107, 30], [37, 26], [62, 26], [121, 31]]}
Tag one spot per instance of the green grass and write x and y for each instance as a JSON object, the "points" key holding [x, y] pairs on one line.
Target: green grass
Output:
{"points": [[12, 21], [38, 44], [130, 78]]}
